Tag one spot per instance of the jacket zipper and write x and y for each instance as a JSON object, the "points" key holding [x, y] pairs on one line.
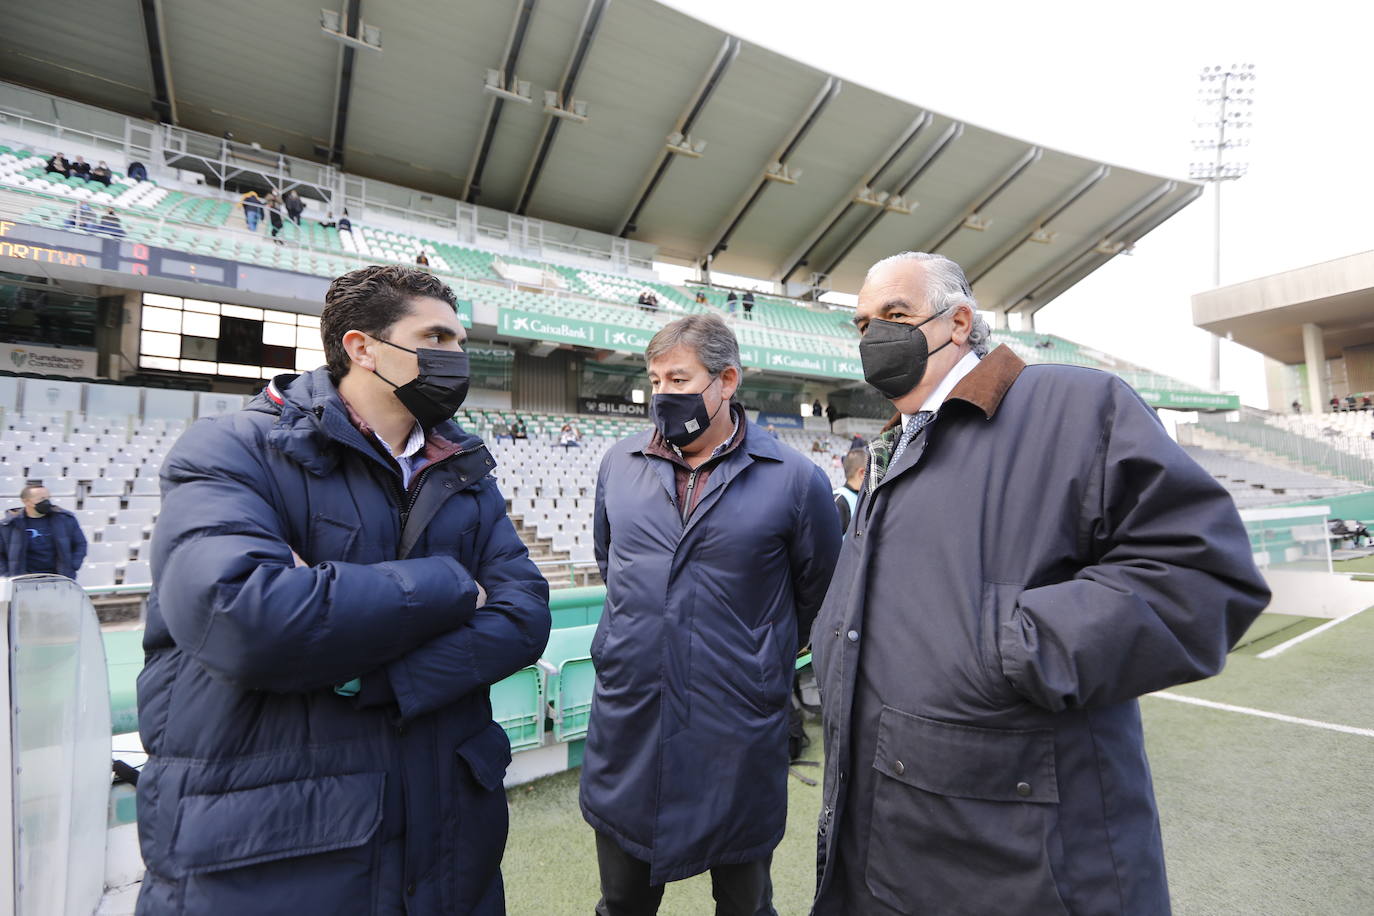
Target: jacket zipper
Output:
{"points": [[687, 499], [408, 497]]}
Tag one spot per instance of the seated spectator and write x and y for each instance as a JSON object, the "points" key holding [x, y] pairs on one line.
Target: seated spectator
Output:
{"points": [[81, 168], [569, 437], [345, 224], [858, 442], [644, 301], [422, 259], [501, 429], [39, 537], [1349, 402], [1335, 403], [520, 432], [701, 298], [58, 164], [816, 447], [102, 174], [1366, 403], [110, 224], [1297, 406], [329, 222], [137, 171]]}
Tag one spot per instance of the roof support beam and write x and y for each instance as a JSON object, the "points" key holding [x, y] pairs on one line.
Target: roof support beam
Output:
{"points": [[937, 241], [1039, 223], [343, 87], [780, 155], [874, 174], [1126, 237], [1018, 301], [937, 149], [591, 21], [472, 187], [164, 100], [729, 50]]}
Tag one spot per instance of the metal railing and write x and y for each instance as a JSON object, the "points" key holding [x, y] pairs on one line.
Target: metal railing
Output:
{"points": [[1315, 455]]}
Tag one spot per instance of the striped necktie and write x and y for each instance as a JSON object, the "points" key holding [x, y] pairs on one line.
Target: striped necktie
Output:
{"points": [[914, 424]]}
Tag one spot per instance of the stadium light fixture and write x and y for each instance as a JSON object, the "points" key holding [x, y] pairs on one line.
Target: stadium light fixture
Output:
{"points": [[333, 24], [575, 112], [977, 222], [1227, 99], [1043, 236], [518, 91], [780, 173], [899, 204], [684, 145]]}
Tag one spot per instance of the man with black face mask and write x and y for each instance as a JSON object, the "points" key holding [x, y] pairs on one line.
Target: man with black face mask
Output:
{"points": [[315, 701], [39, 537], [1029, 553], [716, 543]]}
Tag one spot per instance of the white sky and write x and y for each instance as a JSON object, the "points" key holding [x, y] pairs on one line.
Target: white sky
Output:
{"points": [[1118, 82]]}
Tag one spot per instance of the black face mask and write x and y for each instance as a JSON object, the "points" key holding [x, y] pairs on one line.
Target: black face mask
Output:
{"points": [[682, 418], [894, 355], [43, 506], [439, 390]]}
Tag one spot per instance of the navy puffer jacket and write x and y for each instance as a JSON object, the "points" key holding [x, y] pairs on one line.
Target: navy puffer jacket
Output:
{"points": [[267, 790]]}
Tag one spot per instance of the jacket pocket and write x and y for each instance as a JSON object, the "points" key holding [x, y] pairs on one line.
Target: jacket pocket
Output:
{"points": [[479, 818], [999, 604], [235, 847], [964, 819], [330, 540]]}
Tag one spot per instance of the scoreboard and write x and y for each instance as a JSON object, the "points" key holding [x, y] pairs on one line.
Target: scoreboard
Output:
{"points": [[179, 334]]}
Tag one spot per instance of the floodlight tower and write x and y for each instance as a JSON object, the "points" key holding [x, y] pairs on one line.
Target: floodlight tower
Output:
{"points": [[1226, 101]]}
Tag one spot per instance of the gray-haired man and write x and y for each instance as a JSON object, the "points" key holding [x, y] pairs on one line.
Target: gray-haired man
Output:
{"points": [[1029, 554], [716, 543]]}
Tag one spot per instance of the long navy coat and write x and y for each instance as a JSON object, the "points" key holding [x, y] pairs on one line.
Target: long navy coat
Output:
{"points": [[68, 541], [686, 755], [268, 791], [1041, 555]]}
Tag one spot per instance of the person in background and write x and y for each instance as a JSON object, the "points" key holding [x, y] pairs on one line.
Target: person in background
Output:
{"points": [[329, 221], [336, 587], [520, 431], [832, 413], [1366, 403], [858, 442], [39, 537], [252, 209], [701, 298], [710, 590], [731, 303], [101, 173], [137, 171], [273, 206], [81, 168], [501, 430], [110, 224], [421, 258], [569, 437], [1030, 553], [345, 224], [1335, 404], [84, 217], [59, 165], [1349, 402], [854, 463], [1297, 406], [748, 303], [816, 447], [816, 408], [294, 205]]}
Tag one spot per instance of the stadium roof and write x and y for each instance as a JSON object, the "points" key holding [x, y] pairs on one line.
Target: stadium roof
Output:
{"points": [[1267, 314], [1025, 221]]}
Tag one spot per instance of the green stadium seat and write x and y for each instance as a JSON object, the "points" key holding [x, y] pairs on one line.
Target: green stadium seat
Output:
{"points": [[570, 680], [517, 706]]}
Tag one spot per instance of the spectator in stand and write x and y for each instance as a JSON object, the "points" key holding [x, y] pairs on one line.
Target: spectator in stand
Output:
{"points": [[81, 168], [422, 259], [294, 206], [816, 447], [1349, 402], [137, 171], [816, 407], [102, 174], [83, 217], [701, 298], [858, 442], [748, 303], [59, 165], [273, 206], [731, 303], [832, 413], [329, 222], [110, 224], [847, 495], [520, 431], [39, 537], [501, 429], [1366, 403], [252, 209], [345, 224], [569, 437], [1297, 406]]}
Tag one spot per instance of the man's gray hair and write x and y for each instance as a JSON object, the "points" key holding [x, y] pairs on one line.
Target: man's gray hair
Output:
{"points": [[706, 335], [946, 287]]}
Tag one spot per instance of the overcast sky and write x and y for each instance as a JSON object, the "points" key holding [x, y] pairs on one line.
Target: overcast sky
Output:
{"points": [[1118, 82]]}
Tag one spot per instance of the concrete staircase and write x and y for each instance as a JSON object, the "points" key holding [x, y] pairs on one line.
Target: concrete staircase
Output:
{"points": [[556, 565]]}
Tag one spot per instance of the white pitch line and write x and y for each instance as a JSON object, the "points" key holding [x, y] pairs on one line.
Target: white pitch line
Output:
{"points": [[1285, 646], [1260, 713]]}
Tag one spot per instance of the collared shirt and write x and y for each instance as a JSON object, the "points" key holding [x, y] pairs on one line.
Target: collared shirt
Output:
{"points": [[683, 472], [955, 375], [412, 456]]}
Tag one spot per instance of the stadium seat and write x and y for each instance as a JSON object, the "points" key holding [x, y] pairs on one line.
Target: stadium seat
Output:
{"points": [[138, 572], [95, 575]]}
